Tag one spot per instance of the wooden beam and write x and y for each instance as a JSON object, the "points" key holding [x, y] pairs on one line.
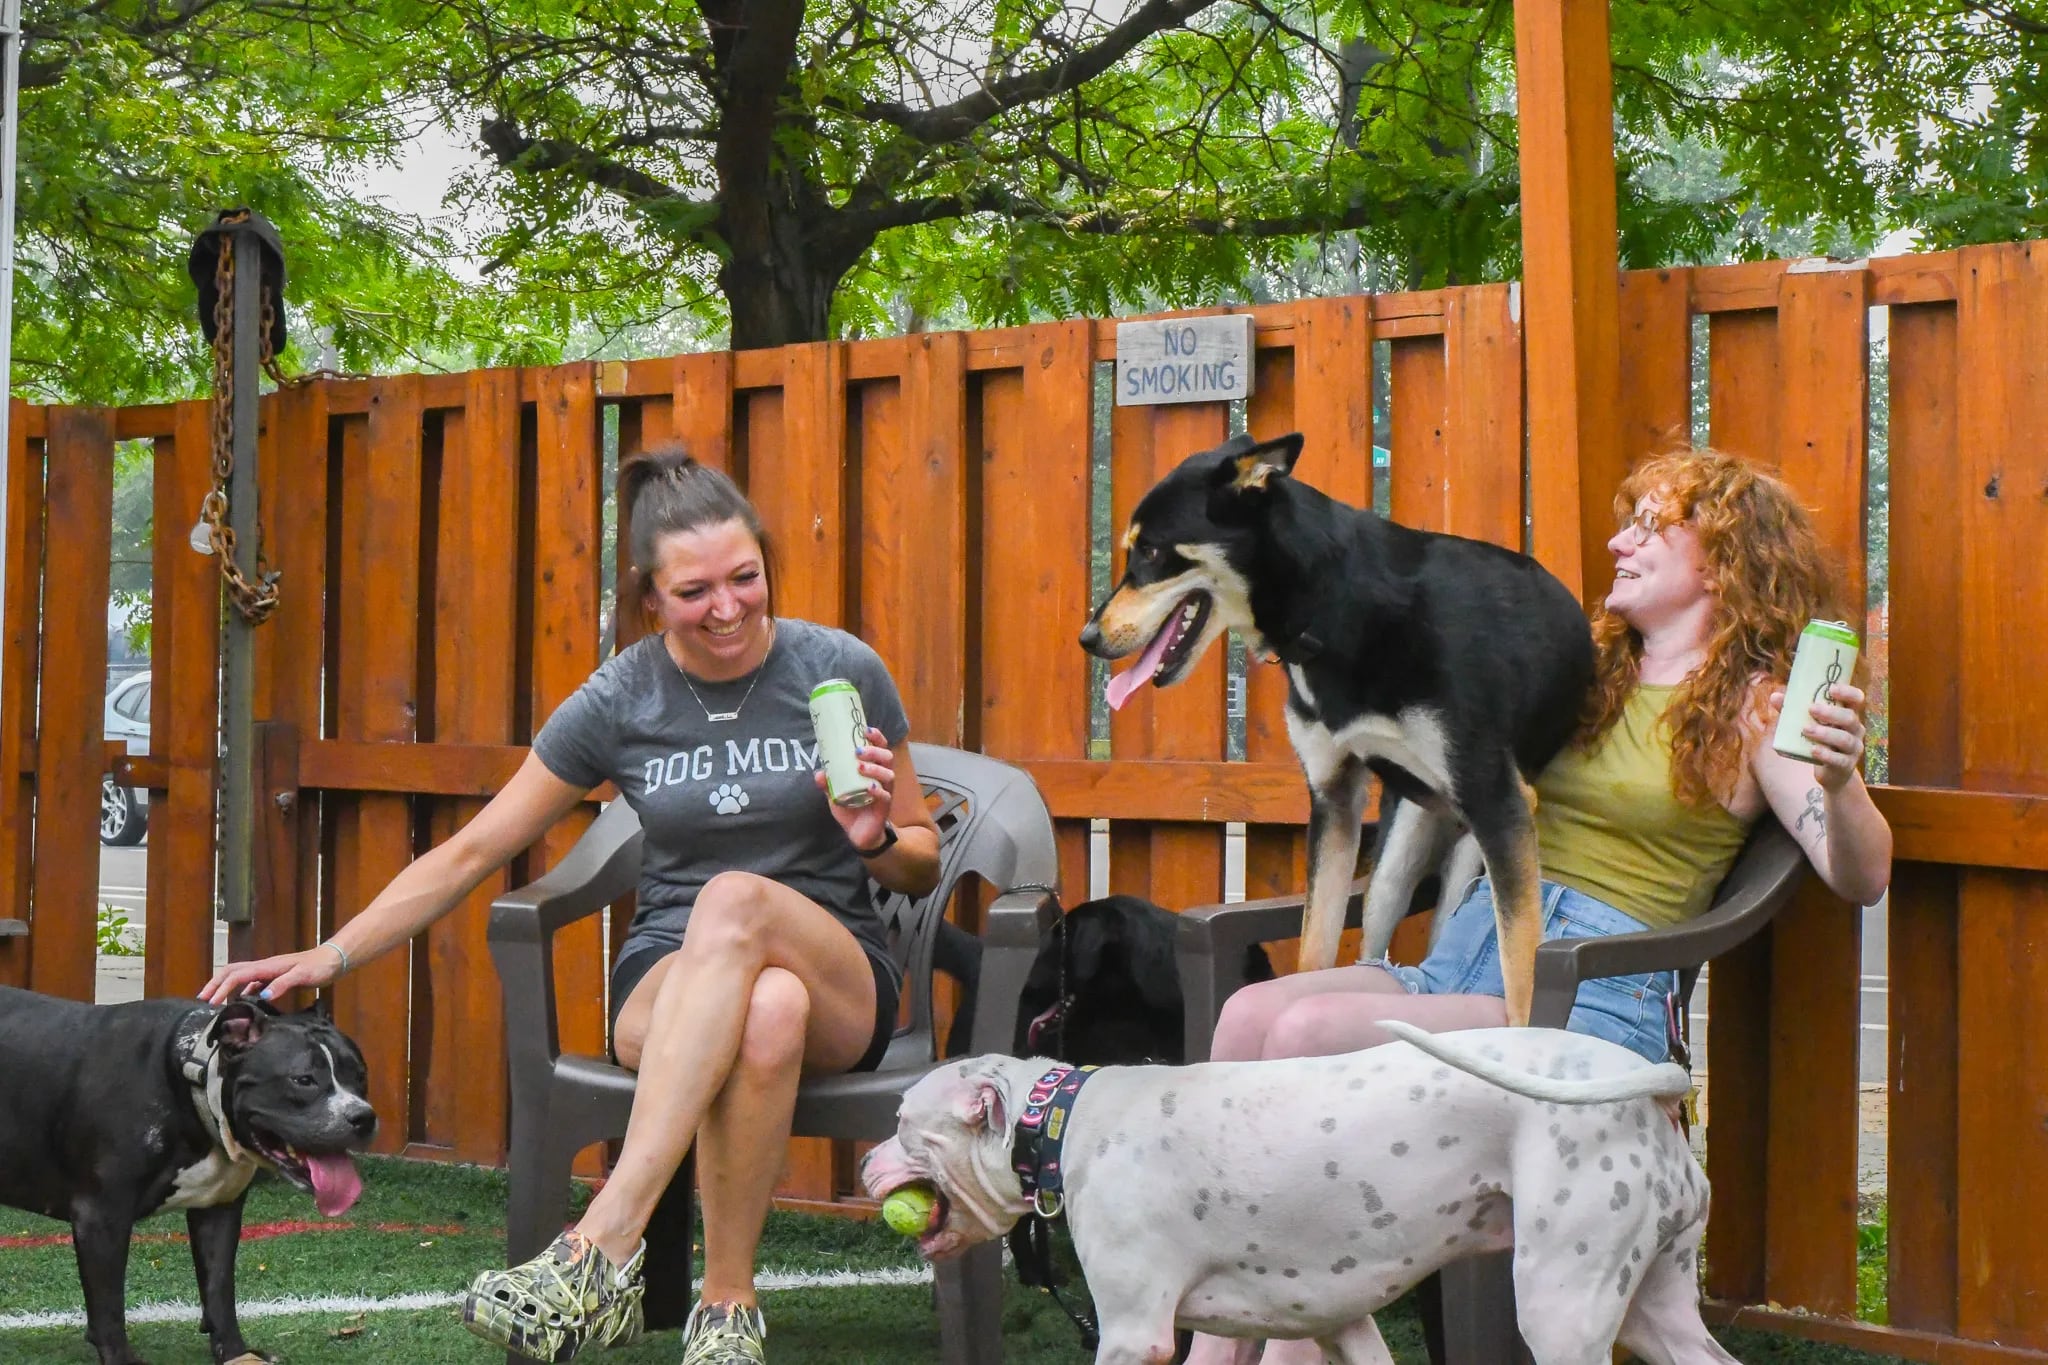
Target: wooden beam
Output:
{"points": [[1571, 279]]}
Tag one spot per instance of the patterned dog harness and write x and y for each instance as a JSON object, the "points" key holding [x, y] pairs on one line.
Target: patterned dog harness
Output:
{"points": [[1042, 1131]]}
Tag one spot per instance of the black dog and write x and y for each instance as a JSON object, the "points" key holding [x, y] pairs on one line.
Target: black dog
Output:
{"points": [[1104, 990], [110, 1113], [1452, 668]]}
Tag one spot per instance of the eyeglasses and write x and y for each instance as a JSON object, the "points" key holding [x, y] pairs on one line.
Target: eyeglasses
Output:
{"points": [[1644, 524]]}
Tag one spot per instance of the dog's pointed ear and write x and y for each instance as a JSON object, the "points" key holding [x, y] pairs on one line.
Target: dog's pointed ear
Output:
{"points": [[239, 1025], [1247, 473], [322, 1008]]}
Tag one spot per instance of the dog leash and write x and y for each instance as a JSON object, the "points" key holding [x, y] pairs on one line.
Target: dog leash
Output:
{"points": [[1035, 1155]]}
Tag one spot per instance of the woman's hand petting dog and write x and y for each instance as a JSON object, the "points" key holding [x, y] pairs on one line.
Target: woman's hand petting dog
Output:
{"points": [[315, 967]]}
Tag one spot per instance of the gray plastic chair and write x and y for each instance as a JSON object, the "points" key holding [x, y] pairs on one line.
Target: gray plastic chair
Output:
{"points": [[992, 822], [1477, 1316]]}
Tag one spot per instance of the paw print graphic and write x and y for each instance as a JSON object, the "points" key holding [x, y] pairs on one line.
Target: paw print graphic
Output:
{"points": [[729, 799]]}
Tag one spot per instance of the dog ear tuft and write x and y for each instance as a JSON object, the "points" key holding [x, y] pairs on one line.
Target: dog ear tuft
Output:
{"points": [[239, 1025], [986, 1110], [1246, 473]]}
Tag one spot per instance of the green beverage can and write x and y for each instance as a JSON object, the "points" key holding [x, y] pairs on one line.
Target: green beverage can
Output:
{"points": [[842, 730], [1826, 656]]}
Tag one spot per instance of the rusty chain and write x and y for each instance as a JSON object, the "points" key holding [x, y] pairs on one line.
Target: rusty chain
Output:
{"points": [[254, 598]]}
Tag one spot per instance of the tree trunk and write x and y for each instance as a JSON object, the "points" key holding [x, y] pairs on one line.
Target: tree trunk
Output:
{"points": [[779, 282]]}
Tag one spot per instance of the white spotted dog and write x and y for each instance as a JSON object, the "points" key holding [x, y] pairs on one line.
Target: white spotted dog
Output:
{"points": [[1451, 668], [1296, 1198]]}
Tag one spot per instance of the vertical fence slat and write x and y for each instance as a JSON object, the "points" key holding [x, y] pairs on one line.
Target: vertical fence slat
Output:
{"points": [[1034, 438], [2002, 952], [20, 648], [184, 699], [476, 575], [1415, 436], [1816, 989], [1176, 865], [701, 411], [1656, 404], [913, 532], [375, 700], [1924, 748], [564, 588], [1656, 378], [801, 493], [291, 647], [70, 755], [1483, 416], [1742, 375]]}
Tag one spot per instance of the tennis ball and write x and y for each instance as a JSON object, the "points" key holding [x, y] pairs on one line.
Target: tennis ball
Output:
{"points": [[909, 1210]]}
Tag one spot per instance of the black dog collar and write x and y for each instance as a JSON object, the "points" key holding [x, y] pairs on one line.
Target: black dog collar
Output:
{"points": [[1042, 1131], [1302, 648]]}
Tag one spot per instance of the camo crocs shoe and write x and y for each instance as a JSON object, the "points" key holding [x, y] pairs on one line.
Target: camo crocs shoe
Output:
{"points": [[724, 1334], [568, 1297]]}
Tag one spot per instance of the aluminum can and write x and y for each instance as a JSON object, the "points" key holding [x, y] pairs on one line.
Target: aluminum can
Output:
{"points": [[841, 725], [1826, 656]]}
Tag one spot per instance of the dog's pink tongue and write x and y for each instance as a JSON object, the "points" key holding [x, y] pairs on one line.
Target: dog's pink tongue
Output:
{"points": [[336, 1183], [1138, 674]]}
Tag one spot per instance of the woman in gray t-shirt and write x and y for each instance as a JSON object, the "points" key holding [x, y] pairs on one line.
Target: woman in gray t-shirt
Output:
{"points": [[755, 956]]}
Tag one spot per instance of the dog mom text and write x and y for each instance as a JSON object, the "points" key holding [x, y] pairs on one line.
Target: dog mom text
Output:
{"points": [[1184, 360]]}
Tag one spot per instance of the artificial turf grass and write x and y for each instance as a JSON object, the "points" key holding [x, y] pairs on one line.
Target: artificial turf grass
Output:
{"points": [[444, 1222], [889, 1325]]}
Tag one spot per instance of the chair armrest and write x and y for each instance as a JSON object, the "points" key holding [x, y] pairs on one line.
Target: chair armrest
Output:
{"points": [[603, 865], [1769, 870], [1209, 948], [1016, 924]]}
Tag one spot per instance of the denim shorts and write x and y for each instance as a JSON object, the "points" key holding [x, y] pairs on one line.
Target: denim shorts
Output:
{"points": [[1633, 1011]]}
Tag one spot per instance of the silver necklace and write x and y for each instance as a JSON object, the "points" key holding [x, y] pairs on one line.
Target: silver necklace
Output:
{"points": [[720, 717]]}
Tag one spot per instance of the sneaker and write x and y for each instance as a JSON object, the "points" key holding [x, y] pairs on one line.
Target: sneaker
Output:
{"points": [[725, 1334], [564, 1299]]}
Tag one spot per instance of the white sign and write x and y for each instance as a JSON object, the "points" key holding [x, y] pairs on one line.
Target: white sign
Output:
{"points": [[1184, 360]]}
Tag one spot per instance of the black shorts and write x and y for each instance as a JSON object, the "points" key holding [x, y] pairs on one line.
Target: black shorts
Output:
{"points": [[632, 968]]}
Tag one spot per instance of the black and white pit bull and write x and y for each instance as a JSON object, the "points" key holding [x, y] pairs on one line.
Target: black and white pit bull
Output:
{"points": [[110, 1113], [1296, 1198]]}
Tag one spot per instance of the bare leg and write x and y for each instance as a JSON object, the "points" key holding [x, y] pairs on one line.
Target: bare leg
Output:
{"points": [[1249, 1013], [1324, 1025], [683, 1026], [744, 1137]]}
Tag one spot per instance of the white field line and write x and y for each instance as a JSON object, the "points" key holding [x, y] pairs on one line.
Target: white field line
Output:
{"points": [[295, 1306]]}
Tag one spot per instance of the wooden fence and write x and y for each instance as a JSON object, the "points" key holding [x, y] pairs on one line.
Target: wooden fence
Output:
{"points": [[440, 539]]}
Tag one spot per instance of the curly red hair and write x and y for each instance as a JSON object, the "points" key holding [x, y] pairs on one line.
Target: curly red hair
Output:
{"points": [[1769, 576]]}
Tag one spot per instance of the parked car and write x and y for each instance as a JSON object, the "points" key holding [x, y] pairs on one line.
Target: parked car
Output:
{"points": [[124, 811]]}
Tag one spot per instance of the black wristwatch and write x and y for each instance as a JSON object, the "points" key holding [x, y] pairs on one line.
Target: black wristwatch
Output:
{"points": [[888, 842]]}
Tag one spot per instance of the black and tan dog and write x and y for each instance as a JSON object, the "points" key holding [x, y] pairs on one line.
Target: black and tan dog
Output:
{"points": [[110, 1113], [1452, 668]]}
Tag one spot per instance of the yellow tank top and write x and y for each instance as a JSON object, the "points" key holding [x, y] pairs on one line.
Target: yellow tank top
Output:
{"points": [[1609, 824]]}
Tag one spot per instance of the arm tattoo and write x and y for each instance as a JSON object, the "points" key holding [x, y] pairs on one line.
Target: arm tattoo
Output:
{"points": [[1816, 812]]}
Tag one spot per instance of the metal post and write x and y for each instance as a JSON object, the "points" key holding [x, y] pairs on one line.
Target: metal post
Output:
{"points": [[238, 698], [10, 36]]}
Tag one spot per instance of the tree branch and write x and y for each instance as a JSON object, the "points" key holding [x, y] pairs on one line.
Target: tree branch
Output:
{"points": [[951, 122], [514, 150]]}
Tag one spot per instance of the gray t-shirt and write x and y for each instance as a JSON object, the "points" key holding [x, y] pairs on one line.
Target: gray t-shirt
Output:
{"points": [[720, 796]]}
